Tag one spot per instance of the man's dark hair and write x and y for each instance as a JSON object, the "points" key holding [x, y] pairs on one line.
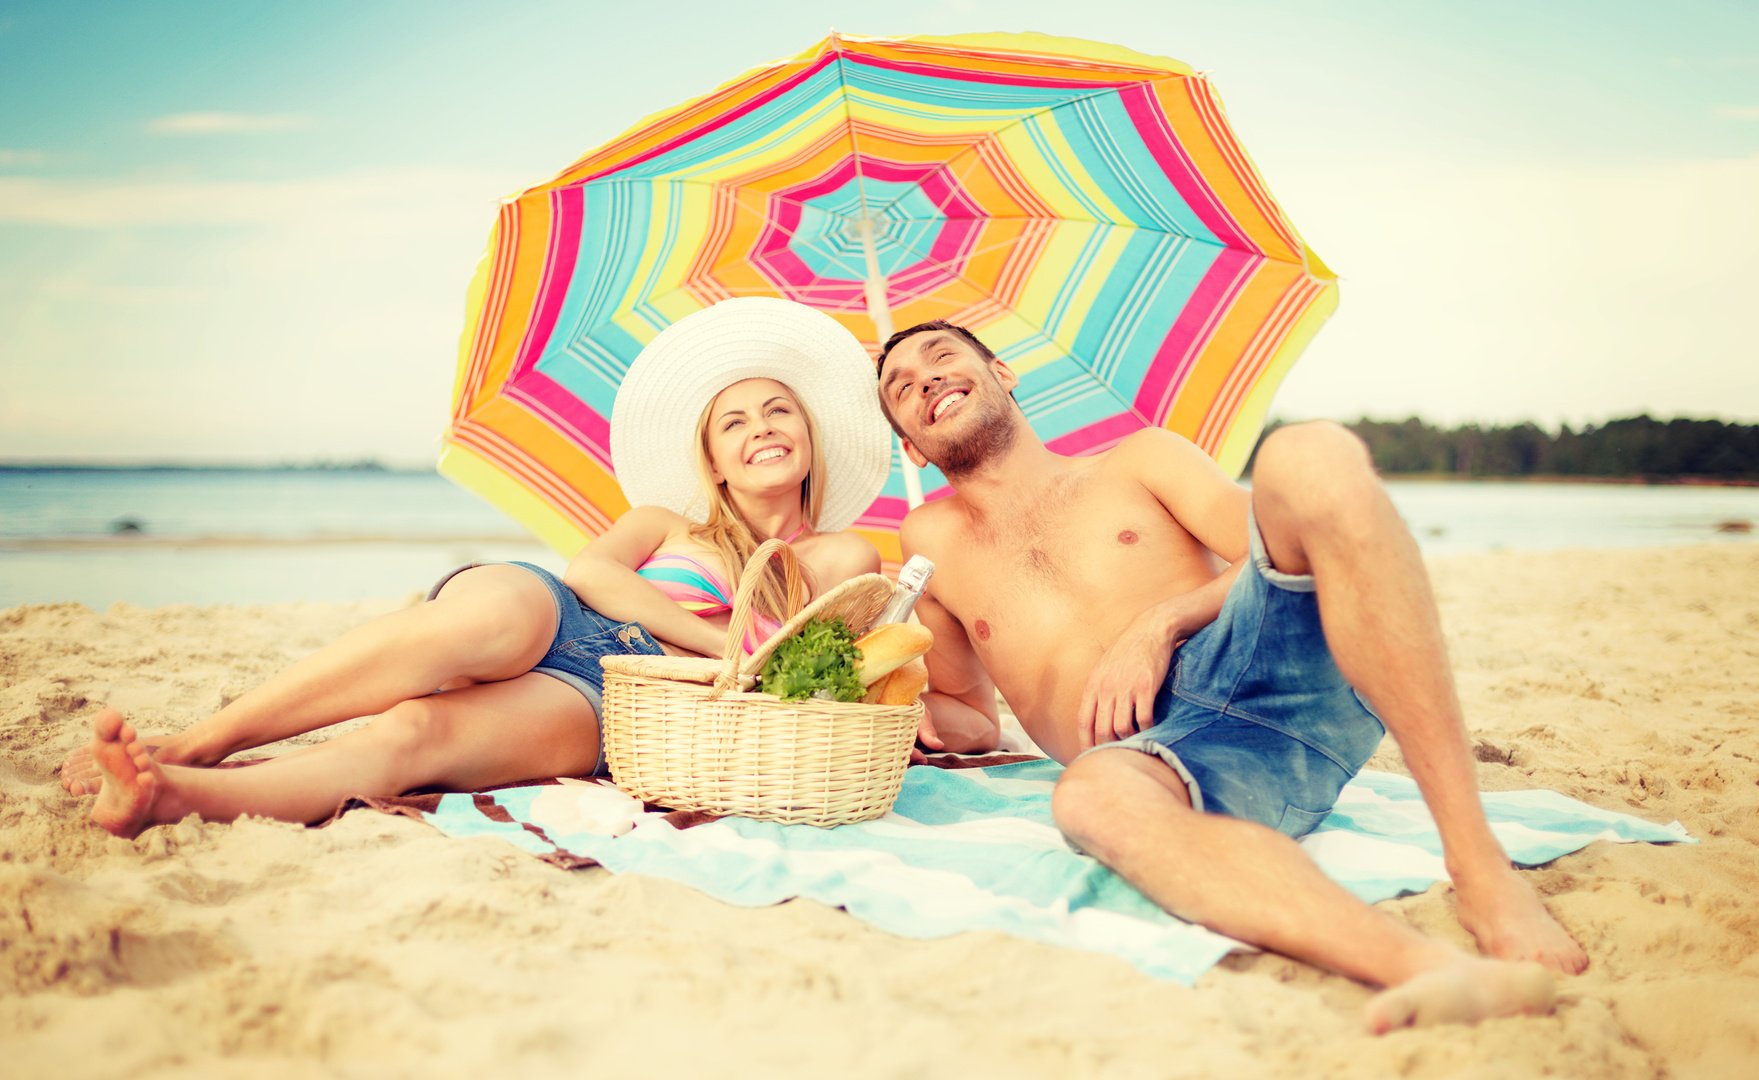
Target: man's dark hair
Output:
{"points": [[879, 368]]}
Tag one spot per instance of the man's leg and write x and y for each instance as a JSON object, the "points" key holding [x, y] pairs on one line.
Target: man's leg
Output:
{"points": [[1322, 511], [1132, 812]]}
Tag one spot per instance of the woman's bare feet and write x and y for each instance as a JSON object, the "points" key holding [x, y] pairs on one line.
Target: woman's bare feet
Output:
{"points": [[80, 774], [1463, 993], [1500, 909], [132, 782]]}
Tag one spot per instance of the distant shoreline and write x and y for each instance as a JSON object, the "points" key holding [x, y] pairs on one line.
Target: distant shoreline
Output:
{"points": [[378, 469], [368, 467], [1682, 480], [137, 541]]}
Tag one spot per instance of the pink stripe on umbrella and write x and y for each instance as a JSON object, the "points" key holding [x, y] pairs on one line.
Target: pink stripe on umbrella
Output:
{"points": [[548, 398], [1098, 435], [1209, 303], [1138, 101], [567, 209]]}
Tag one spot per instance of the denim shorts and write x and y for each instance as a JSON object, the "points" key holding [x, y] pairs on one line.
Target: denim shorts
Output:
{"points": [[1254, 715], [582, 637]]}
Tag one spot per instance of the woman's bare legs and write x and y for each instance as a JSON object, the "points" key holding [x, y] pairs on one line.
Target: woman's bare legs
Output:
{"points": [[489, 623], [496, 733]]}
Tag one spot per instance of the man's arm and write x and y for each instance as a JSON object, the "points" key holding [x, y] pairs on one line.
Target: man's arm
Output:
{"points": [[960, 705], [1118, 699], [961, 702], [1192, 488]]}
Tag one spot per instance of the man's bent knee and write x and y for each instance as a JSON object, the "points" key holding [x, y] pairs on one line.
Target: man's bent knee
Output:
{"points": [[1102, 792], [1309, 475], [1306, 456]]}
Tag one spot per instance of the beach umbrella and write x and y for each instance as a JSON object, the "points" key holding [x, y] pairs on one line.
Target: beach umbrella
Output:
{"points": [[1085, 209]]}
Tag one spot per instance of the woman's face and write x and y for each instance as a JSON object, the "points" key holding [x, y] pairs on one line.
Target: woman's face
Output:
{"points": [[757, 440]]}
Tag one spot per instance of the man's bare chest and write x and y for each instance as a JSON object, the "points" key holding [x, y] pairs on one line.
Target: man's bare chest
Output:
{"points": [[1074, 549]]}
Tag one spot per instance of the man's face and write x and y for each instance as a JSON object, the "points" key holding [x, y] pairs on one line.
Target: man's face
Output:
{"points": [[951, 405]]}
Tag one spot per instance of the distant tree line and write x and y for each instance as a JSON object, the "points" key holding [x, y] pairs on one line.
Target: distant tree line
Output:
{"points": [[1637, 446]]}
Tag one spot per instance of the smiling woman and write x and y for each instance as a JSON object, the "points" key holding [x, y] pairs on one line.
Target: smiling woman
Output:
{"points": [[756, 437], [515, 649]]}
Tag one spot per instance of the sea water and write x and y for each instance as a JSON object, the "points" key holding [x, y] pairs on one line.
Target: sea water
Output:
{"points": [[153, 537]]}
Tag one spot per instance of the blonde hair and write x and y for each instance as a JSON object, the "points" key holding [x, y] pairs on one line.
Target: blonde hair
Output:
{"points": [[731, 536]]}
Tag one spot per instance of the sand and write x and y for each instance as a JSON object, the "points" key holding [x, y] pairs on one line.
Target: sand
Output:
{"points": [[376, 946]]}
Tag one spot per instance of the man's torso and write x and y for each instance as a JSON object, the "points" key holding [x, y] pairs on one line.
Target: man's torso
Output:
{"points": [[1045, 590]]}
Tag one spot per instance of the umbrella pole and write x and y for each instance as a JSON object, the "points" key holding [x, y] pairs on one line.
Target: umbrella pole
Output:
{"points": [[881, 313]]}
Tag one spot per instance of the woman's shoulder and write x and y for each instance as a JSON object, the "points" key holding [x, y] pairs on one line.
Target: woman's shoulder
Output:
{"points": [[665, 527], [655, 531], [657, 515], [842, 555]]}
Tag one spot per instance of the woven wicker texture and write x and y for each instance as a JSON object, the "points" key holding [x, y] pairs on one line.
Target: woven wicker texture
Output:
{"points": [[673, 739]]}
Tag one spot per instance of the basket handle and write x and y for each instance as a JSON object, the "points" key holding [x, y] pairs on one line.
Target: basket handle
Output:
{"points": [[745, 601]]}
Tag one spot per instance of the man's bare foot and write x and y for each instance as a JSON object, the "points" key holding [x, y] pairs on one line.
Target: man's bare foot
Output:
{"points": [[132, 780], [1463, 993], [1501, 910]]}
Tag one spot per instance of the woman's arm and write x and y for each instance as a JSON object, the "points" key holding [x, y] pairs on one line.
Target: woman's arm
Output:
{"points": [[603, 576]]}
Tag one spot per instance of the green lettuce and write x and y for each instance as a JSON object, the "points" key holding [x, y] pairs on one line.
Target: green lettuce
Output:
{"points": [[822, 656]]}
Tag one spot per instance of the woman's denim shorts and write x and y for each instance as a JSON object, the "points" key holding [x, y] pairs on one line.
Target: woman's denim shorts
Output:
{"points": [[582, 637]]}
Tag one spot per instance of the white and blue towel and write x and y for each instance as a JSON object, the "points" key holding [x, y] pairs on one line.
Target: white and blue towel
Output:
{"points": [[975, 849]]}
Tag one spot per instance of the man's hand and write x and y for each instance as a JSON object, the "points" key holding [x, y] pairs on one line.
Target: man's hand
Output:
{"points": [[1118, 700], [927, 736]]}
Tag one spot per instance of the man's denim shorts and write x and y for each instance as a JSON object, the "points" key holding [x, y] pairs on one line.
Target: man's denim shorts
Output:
{"points": [[1255, 716], [582, 637]]}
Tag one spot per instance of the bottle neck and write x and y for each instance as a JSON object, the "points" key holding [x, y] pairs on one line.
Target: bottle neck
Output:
{"points": [[898, 608]]}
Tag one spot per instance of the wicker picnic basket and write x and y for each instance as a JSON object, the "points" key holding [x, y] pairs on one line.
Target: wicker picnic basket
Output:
{"points": [[690, 734]]}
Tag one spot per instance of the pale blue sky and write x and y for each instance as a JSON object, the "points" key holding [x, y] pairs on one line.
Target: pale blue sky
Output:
{"points": [[242, 230]]}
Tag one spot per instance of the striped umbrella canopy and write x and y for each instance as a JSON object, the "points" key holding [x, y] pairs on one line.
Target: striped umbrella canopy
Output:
{"points": [[1084, 209]]}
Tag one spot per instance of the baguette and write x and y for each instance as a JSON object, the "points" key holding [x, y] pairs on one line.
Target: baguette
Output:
{"points": [[885, 649], [901, 687]]}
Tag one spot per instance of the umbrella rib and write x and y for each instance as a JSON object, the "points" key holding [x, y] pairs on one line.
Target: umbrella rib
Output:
{"points": [[1276, 220], [740, 194], [948, 264], [849, 125], [1110, 342], [993, 136], [739, 197]]}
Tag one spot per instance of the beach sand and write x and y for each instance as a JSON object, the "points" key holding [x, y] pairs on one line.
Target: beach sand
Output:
{"points": [[377, 946]]}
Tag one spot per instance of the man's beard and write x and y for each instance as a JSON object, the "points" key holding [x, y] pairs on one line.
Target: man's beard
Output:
{"points": [[989, 436]]}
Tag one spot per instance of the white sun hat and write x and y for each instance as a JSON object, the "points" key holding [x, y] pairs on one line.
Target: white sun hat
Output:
{"points": [[660, 400]]}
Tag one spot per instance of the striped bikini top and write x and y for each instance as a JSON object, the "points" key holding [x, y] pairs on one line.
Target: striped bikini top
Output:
{"points": [[699, 590]]}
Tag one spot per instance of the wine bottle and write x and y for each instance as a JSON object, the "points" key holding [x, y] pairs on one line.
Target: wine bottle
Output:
{"points": [[912, 580]]}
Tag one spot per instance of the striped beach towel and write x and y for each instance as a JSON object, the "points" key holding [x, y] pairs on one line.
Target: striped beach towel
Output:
{"points": [[975, 849]]}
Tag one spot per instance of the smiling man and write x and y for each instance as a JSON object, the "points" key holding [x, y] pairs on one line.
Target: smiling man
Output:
{"points": [[1203, 660]]}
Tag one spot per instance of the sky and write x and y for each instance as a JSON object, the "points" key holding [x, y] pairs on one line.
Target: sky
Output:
{"points": [[242, 231]]}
